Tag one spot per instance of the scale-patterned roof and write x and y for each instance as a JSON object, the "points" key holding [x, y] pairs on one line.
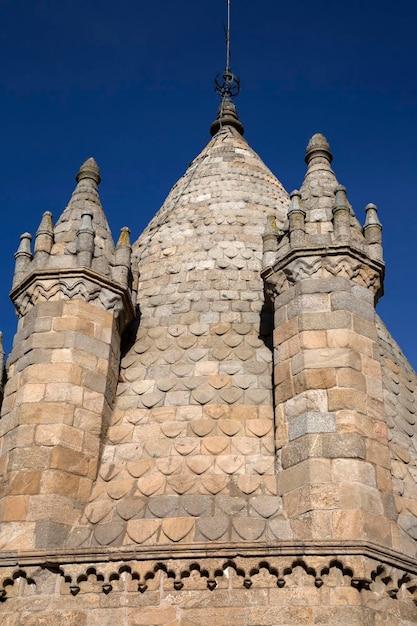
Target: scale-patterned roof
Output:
{"points": [[192, 434]]}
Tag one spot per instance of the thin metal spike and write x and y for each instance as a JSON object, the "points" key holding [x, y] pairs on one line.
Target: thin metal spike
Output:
{"points": [[227, 84]]}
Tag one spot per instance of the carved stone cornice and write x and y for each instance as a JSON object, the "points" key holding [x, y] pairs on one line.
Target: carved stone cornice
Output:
{"points": [[79, 283], [323, 262], [284, 548], [362, 566]]}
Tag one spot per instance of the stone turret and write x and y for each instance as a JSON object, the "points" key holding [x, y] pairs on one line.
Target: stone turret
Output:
{"points": [[324, 282], [73, 298]]}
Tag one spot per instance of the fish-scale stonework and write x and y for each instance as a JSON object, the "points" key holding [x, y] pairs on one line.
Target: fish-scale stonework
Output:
{"points": [[190, 454], [211, 426]]}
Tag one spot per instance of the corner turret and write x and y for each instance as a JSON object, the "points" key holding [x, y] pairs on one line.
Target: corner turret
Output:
{"points": [[73, 297], [324, 281]]}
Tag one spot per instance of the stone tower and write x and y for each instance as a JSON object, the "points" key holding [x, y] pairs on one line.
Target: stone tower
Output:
{"points": [[214, 426]]}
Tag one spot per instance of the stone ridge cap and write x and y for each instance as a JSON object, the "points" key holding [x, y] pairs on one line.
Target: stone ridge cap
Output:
{"points": [[385, 336], [216, 550]]}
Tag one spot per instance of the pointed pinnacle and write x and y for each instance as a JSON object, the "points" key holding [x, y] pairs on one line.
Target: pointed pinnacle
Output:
{"points": [[89, 169], [318, 146], [124, 239], [226, 116]]}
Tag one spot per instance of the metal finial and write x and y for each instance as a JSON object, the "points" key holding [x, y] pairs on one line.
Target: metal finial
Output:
{"points": [[227, 84]]}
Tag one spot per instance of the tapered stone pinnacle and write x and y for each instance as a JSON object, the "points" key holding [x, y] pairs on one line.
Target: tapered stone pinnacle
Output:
{"points": [[89, 169]]}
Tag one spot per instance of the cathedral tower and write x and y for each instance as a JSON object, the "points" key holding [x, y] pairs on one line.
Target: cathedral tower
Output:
{"points": [[214, 426]]}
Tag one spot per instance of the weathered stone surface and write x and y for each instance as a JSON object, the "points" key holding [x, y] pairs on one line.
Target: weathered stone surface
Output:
{"points": [[218, 472]]}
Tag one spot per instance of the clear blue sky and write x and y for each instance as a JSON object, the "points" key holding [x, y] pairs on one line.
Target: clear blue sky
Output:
{"points": [[130, 83]]}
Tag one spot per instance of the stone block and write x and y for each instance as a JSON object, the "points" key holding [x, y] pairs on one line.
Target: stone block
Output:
{"points": [[289, 348], [64, 393], [59, 434], [17, 536], [93, 401], [371, 367], [347, 399], [57, 509], [311, 423], [282, 373], [69, 460], [313, 339], [50, 373], [24, 482], [324, 358], [82, 309], [354, 495], [92, 346], [354, 470], [154, 616], [224, 616], [277, 615], [285, 331], [59, 482], [378, 453], [96, 382], [45, 340], [80, 324], [311, 302], [349, 421], [323, 285], [311, 497], [206, 368], [349, 377], [314, 379], [347, 301], [311, 401], [313, 470], [326, 445], [364, 327], [325, 320], [383, 478], [15, 508], [48, 535], [29, 458], [30, 392]]}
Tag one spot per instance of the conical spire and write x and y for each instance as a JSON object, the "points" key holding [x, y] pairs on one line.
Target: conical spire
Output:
{"points": [[85, 200]]}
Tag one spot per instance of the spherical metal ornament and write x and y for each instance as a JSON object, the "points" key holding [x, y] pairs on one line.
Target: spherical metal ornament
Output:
{"points": [[227, 84]]}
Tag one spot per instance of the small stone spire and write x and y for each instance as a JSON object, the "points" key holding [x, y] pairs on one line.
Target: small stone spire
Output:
{"points": [[318, 151], [341, 214], [122, 258], [296, 218], [85, 240], [372, 231], [226, 116], [270, 240], [44, 239], [23, 257], [71, 226], [89, 169], [318, 188]]}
